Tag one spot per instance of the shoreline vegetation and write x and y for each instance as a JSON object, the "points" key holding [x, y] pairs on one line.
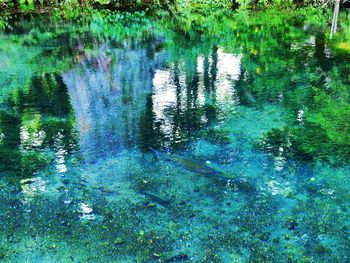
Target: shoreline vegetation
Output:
{"points": [[72, 9], [42, 6], [187, 12]]}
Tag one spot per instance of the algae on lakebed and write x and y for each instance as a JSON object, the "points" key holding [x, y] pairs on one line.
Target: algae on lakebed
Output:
{"points": [[263, 99]]}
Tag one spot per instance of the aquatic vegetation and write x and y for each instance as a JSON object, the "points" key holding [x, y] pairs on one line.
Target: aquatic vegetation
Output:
{"points": [[216, 135], [322, 132], [341, 41]]}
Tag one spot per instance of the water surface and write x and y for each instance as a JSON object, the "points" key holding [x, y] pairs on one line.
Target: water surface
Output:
{"points": [[265, 101]]}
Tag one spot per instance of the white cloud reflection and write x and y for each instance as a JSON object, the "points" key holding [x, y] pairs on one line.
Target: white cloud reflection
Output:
{"points": [[167, 92]]}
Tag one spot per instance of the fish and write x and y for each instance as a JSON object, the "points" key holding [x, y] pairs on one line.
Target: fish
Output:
{"points": [[156, 198], [204, 169], [191, 165]]}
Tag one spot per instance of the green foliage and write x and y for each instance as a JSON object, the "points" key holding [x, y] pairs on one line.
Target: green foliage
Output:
{"points": [[341, 42], [196, 5], [37, 113], [3, 22], [325, 135], [217, 135], [334, 118], [26, 5], [120, 25]]}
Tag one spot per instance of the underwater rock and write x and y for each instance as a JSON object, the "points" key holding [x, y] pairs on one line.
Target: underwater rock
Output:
{"points": [[216, 135], [65, 181], [118, 241], [177, 258], [276, 240], [152, 205], [182, 202], [264, 236], [105, 190], [191, 215], [321, 249], [313, 188], [156, 198], [53, 246], [241, 184], [291, 224], [155, 256]]}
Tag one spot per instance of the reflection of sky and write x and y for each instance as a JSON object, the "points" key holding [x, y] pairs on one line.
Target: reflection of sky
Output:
{"points": [[60, 153], [2, 136], [31, 188], [31, 133], [34, 139], [228, 70], [164, 96], [300, 117], [108, 94], [165, 88], [200, 70], [278, 188]]}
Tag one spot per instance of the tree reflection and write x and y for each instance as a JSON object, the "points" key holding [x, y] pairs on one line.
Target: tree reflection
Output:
{"points": [[185, 93], [35, 117]]}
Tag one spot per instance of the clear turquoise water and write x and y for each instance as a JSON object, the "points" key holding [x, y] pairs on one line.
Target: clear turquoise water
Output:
{"points": [[267, 105]]}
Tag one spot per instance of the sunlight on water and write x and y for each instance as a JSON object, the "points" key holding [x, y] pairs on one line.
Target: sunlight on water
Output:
{"points": [[31, 188], [60, 153], [164, 96], [86, 212], [228, 70]]}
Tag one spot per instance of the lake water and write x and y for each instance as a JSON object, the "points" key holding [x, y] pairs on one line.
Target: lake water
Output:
{"points": [[262, 99]]}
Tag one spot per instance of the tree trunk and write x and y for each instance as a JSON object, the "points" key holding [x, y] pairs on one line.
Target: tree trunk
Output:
{"points": [[335, 19]]}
